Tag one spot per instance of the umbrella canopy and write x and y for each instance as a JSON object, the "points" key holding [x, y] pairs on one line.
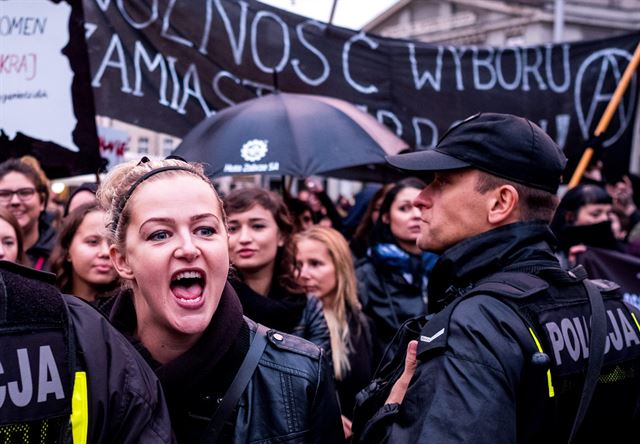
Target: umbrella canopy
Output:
{"points": [[295, 135]]}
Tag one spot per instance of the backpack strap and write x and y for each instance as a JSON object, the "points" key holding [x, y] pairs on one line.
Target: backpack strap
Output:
{"points": [[237, 387], [596, 353]]}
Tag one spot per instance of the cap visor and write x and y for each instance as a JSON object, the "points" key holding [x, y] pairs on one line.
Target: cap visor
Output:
{"points": [[428, 160]]}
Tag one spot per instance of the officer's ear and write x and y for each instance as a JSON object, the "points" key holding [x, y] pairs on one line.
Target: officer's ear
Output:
{"points": [[503, 205], [120, 263]]}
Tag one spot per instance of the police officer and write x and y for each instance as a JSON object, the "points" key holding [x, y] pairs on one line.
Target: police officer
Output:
{"points": [[66, 375], [504, 357]]}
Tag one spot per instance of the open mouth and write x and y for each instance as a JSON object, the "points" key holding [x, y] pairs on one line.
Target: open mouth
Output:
{"points": [[187, 287]]}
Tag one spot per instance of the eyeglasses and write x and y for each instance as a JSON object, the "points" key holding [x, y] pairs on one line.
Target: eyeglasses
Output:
{"points": [[24, 194]]}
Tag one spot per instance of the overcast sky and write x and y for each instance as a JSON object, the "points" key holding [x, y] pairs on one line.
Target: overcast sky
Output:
{"points": [[352, 14]]}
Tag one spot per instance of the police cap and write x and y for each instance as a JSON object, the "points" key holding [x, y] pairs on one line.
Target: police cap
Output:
{"points": [[503, 145]]}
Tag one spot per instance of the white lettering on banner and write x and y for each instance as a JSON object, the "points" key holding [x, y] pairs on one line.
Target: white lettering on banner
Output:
{"points": [[237, 43], [158, 61], [566, 69], [518, 69], [254, 42], [384, 114], [138, 25], [295, 63], [416, 122], [486, 63], [115, 45], [532, 69], [165, 27], [456, 54], [191, 88], [215, 83], [607, 59], [420, 80], [361, 36], [176, 82], [20, 391]]}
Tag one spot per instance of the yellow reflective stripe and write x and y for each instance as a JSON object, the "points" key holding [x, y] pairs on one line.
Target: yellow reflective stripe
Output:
{"points": [[633, 315], [80, 409], [552, 392]]}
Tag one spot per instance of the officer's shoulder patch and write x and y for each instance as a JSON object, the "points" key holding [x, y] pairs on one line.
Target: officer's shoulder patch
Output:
{"points": [[433, 336]]}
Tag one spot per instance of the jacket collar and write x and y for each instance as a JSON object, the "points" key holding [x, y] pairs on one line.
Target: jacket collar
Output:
{"points": [[184, 374], [522, 246]]}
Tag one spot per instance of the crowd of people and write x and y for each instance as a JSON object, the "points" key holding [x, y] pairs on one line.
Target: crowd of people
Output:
{"points": [[271, 318]]}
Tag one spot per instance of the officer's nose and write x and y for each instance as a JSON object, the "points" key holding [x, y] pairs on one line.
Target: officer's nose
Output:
{"points": [[423, 200]]}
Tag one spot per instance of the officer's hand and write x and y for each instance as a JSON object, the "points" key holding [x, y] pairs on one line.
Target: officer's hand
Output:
{"points": [[400, 387]]}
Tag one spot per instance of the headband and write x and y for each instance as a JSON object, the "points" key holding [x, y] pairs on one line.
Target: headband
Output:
{"points": [[132, 188]]}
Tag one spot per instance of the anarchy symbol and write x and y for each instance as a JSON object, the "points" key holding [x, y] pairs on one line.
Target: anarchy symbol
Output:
{"points": [[609, 66]]}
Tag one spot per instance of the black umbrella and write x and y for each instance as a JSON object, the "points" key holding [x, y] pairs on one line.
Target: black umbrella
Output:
{"points": [[293, 135]]}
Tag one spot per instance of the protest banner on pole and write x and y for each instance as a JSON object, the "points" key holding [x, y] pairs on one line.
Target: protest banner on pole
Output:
{"points": [[168, 65]]}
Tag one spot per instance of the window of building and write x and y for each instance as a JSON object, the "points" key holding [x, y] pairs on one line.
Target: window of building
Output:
{"points": [[143, 145], [167, 146]]}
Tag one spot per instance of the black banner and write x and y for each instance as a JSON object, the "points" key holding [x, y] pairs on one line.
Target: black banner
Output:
{"points": [[167, 64], [620, 268]]}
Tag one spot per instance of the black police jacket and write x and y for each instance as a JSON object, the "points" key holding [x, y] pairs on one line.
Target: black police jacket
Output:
{"points": [[290, 398], [475, 381], [73, 353]]}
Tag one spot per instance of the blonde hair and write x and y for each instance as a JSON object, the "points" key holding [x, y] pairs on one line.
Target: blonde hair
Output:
{"points": [[120, 184], [346, 294]]}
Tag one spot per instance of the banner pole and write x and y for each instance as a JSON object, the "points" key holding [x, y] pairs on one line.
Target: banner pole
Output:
{"points": [[607, 116]]}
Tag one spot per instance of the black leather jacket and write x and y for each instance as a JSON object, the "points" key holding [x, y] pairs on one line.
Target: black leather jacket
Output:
{"points": [[290, 398], [475, 381]]}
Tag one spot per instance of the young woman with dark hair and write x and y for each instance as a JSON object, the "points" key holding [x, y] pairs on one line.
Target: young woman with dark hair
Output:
{"points": [[81, 260], [392, 278], [262, 254]]}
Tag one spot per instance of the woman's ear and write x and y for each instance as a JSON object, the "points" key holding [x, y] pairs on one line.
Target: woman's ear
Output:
{"points": [[385, 218], [120, 263]]}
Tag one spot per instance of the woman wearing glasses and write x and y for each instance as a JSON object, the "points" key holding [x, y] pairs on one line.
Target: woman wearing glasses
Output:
{"points": [[24, 193]]}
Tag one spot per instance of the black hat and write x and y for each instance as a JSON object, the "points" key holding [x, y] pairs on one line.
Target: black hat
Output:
{"points": [[503, 145]]}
